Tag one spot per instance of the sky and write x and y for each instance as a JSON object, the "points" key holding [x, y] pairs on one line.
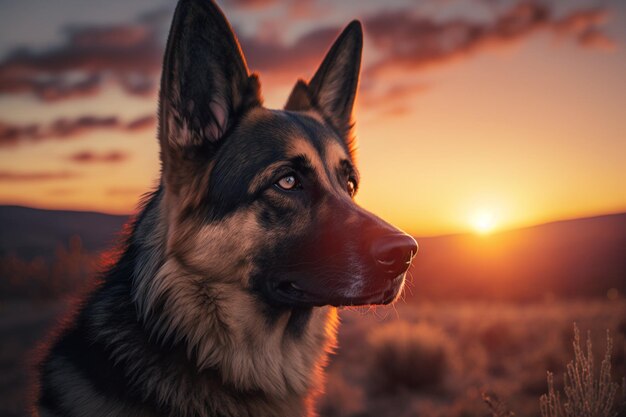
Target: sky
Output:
{"points": [[471, 114]]}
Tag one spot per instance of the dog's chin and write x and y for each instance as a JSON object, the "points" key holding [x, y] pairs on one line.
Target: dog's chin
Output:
{"points": [[292, 294]]}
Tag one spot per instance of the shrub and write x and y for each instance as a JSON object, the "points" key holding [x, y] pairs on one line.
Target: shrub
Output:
{"points": [[497, 407], [69, 271], [585, 395], [407, 357], [341, 398]]}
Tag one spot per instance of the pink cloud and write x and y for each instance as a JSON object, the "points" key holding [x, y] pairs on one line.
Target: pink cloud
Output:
{"points": [[66, 128], [89, 157]]}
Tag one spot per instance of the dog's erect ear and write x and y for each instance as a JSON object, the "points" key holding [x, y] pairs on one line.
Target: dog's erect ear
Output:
{"points": [[205, 83], [332, 89]]}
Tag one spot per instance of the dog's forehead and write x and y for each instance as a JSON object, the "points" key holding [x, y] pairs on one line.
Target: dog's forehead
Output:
{"points": [[262, 142], [290, 134]]}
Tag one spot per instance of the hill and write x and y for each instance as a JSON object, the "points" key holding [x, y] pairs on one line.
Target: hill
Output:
{"points": [[569, 258], [29, 232]]}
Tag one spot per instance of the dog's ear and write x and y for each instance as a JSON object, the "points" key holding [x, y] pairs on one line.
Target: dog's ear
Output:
{"points": [[205, 84], [333, 88]]}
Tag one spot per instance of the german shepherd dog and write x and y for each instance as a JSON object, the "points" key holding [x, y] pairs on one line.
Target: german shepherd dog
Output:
{"points": [[223, 299]]}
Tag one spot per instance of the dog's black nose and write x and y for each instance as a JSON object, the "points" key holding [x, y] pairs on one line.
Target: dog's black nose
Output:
{"points": [[393, 253]]}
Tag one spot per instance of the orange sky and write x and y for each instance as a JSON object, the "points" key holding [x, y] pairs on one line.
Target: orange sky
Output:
{"points": [[529, 129]]}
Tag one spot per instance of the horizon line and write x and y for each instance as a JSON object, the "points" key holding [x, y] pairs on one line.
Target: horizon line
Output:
{"points": [[426, 236]]}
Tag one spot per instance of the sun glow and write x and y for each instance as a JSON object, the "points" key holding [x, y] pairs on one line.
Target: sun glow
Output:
{"points": [[483, 221]]}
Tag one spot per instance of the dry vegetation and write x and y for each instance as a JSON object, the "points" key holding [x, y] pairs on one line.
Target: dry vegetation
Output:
{"points": [[585, 394], [448, 360], [414, 359], [67, 272]]}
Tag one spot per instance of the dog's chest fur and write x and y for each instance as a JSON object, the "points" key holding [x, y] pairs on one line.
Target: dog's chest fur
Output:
{"points": [[109, 363]]}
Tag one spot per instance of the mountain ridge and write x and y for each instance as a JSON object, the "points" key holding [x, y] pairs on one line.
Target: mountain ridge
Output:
{"points": [[584, 256]]}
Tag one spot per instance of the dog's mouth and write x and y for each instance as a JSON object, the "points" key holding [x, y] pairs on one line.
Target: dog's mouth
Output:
{"points": [[294, 294]]}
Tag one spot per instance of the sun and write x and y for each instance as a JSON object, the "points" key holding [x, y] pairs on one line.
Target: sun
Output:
{"points": [[483, 221]]}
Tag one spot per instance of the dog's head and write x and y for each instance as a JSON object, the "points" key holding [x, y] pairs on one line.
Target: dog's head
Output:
{"points": [[264, 199]]}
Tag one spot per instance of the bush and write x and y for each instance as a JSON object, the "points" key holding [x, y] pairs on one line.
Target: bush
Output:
{"points": [[585, 395], [407, 357], [341, 398], [69, 271]]}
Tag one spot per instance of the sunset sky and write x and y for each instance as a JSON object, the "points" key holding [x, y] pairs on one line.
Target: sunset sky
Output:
{"points": [[470, 113]]}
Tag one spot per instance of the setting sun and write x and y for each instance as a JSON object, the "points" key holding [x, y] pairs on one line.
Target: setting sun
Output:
{"points": [[483, 221]]}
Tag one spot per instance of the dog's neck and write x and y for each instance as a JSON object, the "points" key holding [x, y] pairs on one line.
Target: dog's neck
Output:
{"points": [[277, 356]]}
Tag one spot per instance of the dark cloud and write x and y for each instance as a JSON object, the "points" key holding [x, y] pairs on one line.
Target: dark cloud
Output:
{"points": [[64, 128], [142, 123], [273, 58], [89, 157], [406, 41], [50, 88], [595, 39], [130, 55], [127, 54], [13, 176], [295, 9], [251, 3], [409, 41]]}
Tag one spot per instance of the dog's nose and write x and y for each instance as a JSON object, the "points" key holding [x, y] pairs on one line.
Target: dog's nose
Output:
{"points": [[393, 253]]}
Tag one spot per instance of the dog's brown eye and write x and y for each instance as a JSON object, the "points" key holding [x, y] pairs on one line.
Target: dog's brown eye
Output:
{"points": [[288, 182], [351, 187]]}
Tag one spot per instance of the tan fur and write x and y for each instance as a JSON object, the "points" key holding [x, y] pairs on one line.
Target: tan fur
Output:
{"points": [[299, 99], [263, 177], [302, 147], [221, 321], [334, 153]]}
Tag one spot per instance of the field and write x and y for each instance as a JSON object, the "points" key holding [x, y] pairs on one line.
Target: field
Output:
{"points": [[460, 332], [439, 359], [411, 360]]}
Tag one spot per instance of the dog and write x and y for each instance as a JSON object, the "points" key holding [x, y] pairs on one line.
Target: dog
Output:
{"points": [[223, 300]]}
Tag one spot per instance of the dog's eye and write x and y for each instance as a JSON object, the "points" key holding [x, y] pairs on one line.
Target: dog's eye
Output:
{"points": [[351, 186], [288, 182]]}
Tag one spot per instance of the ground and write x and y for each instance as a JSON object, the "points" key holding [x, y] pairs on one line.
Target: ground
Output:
{"points": [[424, 359]]}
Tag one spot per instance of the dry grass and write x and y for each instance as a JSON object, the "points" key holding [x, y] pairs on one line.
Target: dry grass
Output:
{"points": [[585, 394], [432, 360], [407, 357], [70, 270], [497, 407], [438, 359]]}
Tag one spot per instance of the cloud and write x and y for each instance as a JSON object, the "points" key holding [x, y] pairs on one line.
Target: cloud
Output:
{"points": [[596, 39], [13, 176], [395, 96], [127, 54], [251, 3], [65, 128], [142, 123], [88, 157], [409, 41], [130, 56], [294, 9], [273, 58]]}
